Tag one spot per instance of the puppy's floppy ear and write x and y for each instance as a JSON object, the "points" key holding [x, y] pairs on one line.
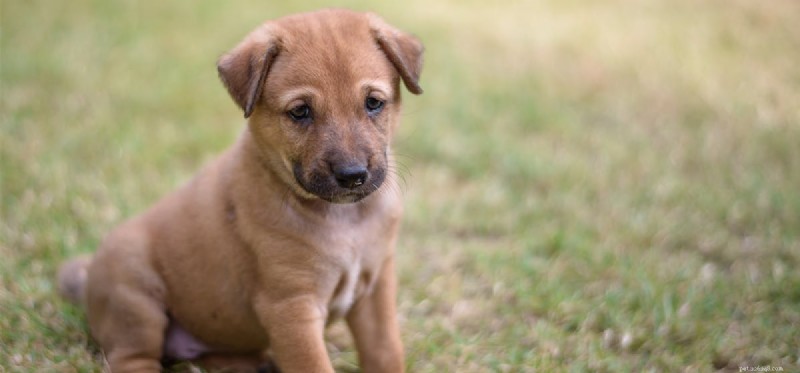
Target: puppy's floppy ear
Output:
{"points": [[404, 51], [244, 69]]}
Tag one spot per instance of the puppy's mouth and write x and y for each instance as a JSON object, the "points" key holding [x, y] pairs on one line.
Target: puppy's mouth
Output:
{"points": [[333, 188]]}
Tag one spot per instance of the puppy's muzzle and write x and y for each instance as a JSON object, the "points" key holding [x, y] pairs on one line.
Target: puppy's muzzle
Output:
{"points": [[342, 181]]}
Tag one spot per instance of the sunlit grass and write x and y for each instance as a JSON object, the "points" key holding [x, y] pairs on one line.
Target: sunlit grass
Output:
{"points": [[590, 186]]}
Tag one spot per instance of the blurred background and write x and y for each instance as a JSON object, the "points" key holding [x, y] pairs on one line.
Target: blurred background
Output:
{"points": [[590, 185]]}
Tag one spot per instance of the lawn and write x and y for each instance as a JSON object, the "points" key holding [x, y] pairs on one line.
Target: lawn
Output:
{"points": [[590, 186]]}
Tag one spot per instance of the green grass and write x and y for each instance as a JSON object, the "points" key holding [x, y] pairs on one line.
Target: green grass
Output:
{"points": [[590, 186]]}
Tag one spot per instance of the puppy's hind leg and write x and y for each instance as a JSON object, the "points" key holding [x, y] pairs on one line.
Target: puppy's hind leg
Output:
{"points": [[133, 337], [125, 309]]}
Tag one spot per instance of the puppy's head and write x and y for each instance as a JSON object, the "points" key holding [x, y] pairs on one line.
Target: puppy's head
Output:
{"points": [[322, 94]]}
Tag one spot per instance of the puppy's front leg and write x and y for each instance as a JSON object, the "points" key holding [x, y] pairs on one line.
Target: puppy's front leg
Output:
{"points": [[295, 327], [373, 322]]}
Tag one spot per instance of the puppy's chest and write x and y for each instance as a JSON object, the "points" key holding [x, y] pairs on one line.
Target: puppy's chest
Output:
{"points": [[353, 284], [358, 261]]}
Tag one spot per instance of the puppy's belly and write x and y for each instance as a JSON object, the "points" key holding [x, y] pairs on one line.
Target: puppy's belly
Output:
{"points": [[215, 307], [221, 322]]}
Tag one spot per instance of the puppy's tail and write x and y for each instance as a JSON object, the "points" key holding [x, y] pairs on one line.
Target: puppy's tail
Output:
{"points": [[72, 279]]}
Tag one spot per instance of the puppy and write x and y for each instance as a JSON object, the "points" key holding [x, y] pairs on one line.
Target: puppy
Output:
{"points": [[292, 227]]}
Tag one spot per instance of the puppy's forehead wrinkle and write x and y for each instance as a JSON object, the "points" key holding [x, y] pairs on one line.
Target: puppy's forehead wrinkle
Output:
{"points": [[303, 93], [376, 85], [321, 88]]}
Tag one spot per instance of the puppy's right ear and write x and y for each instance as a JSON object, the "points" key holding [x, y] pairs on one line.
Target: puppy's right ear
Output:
{"points": [[403, 50], [244, 69]]}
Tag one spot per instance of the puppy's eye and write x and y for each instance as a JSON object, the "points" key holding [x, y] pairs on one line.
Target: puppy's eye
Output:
{"points": [[300, 113], [373, 105]]}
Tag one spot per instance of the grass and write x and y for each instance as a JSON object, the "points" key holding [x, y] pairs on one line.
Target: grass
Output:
{"points": [[591, 186]]}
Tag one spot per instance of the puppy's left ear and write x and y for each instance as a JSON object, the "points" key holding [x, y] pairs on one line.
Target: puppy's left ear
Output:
{"points": [[244, 69], [404, 51]]}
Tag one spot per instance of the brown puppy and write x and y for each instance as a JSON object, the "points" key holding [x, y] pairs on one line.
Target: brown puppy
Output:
{"points": [[290, 228]]}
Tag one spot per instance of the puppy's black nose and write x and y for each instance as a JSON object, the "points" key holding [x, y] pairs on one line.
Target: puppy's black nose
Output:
{"points": [[350, 176]]}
